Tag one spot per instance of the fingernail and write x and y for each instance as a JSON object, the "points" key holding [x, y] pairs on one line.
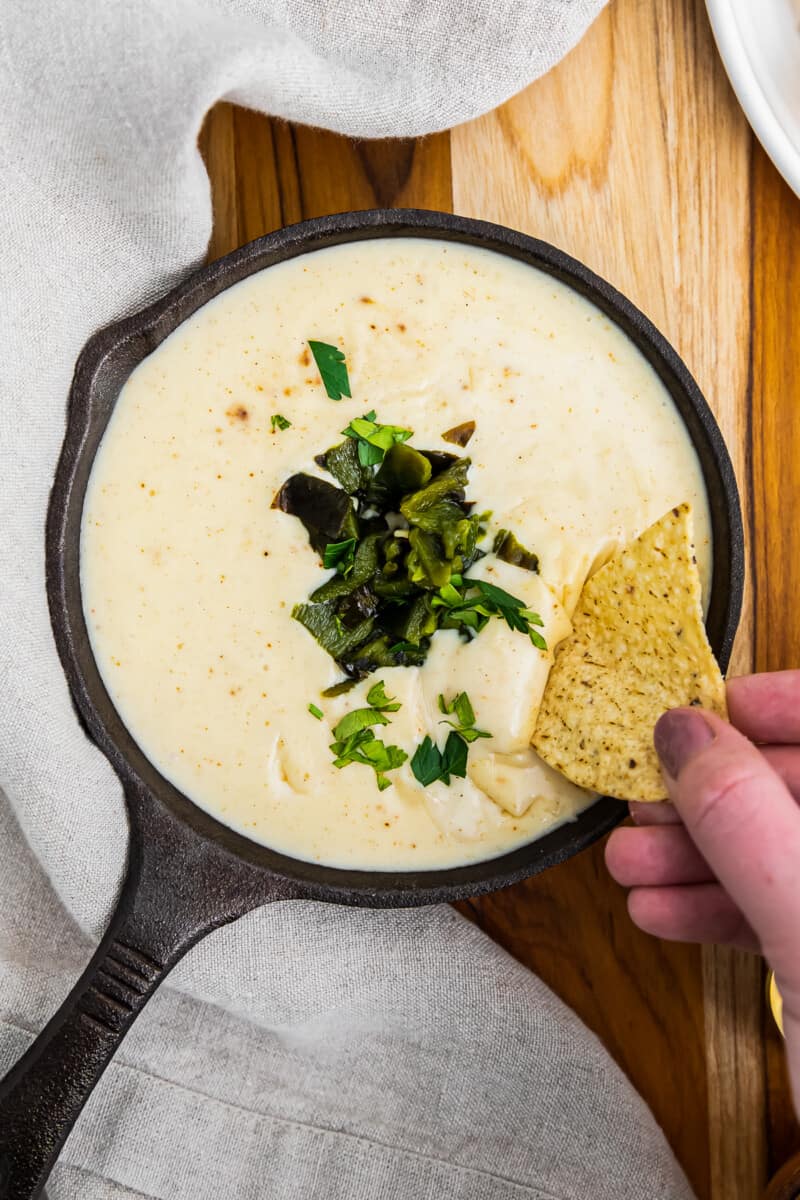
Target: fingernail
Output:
{"points": [[678, 736]]}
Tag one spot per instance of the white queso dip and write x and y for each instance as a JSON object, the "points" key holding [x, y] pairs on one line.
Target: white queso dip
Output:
{"points": [[190, 577]]}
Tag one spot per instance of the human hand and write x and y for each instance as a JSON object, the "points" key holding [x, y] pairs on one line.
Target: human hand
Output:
{"points": [[722, 863]]}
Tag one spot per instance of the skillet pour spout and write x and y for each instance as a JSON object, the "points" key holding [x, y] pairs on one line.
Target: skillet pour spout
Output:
{"points": [[187, 873]]}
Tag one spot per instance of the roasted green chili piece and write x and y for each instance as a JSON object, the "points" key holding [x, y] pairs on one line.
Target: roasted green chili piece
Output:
{"points": [[459, 435], [439, 459], [343, 463], [358, 606], [420, 621], [449, 483], [511, 551], [365, 566], [378, 653], [324, 624], [326, 511], [339, 689], [403, 470]]}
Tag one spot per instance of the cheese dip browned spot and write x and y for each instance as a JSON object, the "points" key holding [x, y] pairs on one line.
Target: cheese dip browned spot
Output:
{"points": [[189, 579]]}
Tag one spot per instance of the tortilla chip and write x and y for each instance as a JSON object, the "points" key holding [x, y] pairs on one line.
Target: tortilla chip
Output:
{"points": [[638, 647]]}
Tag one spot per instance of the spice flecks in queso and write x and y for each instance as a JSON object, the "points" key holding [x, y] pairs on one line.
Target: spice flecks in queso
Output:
{"points": [[189, 581]]}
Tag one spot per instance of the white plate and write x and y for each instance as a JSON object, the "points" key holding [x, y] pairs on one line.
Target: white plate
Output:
{"points": [[759, 41]]}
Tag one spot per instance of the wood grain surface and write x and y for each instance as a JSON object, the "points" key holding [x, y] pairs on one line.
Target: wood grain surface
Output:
{"points": [[775, 448], [633, 155]]}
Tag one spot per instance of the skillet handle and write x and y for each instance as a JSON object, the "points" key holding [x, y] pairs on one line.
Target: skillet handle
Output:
{"points": [[178, 887], [43, 1094]]}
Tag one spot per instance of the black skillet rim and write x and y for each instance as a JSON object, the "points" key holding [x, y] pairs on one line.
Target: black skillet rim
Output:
{"points": [[118, 347]]}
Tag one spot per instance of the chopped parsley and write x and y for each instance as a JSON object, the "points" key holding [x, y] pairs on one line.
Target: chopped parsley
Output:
{"points": [[373, 439], [355, 740], [377, 698], [315, 712], [403, 648], [363, 747], [332, 367], [464, 724], [278, 421], [395, 533], [472, 612], [358, 719], [340, 555], [430, 764]]}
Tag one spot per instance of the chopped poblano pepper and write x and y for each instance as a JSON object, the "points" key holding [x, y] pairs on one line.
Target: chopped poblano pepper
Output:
{"points": [[343, 464], [426, 762], [429, 764], [402, 537], [327, 512], [512, 551], [459, 435], [277, 421]]}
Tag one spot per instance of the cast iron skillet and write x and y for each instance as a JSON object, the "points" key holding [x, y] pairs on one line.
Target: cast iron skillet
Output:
{"points": [[188, 874]]}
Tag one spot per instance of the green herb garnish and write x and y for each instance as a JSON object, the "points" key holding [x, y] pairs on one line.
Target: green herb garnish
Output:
{"points": [[356, 742], [340, 555], [358, 719], [373, 439], [512, 610], [454, 757], [279, 422], [430, 764], [464, 725], [315, 712], [365, 748], [332, 367], [467, 611], [377, 698]]}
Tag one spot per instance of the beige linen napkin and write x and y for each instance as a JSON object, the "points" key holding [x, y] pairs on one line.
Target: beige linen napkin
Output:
{"points": [[306, 1051]]}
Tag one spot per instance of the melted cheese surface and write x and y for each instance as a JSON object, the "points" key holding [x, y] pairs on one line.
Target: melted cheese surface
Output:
{"points": [[189, 577]]}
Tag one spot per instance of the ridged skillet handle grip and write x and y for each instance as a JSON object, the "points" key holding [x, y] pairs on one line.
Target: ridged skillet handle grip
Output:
{"points": [[179, 886], [43, 1094]]}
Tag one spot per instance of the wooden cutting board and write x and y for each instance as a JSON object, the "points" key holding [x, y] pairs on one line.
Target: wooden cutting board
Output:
{"points": [[633, 156]]}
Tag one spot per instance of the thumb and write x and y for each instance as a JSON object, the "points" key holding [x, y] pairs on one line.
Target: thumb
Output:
{"points": [[746, 824]]}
